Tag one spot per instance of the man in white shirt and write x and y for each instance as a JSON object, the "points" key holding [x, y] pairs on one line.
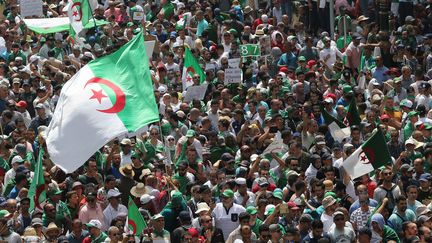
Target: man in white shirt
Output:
{"points": [[226, 213], [329, 53], [114, 207], [329, 204]]}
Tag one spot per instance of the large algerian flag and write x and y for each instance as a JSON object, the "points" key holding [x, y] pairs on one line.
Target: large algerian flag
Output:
{"points": [[54, 25], [37, 193], [353, 117], [337, 128], [372, 154], [79, 13], [191, 67], [109, 97], [136, 222]]}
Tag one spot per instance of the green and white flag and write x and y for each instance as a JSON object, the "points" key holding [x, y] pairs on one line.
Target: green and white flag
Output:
{"points": [[37, 192], [79, 13], [353, 117], [136, 222], [371, 155], [191, 67], [109, 97], [54, 25]]}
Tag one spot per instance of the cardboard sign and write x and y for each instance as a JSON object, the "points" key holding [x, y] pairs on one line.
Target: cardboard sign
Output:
{"points": [[210, 66], [31, 8], [234, 62], [195, 93], [233, 76], [250, 50], [138, 16]]}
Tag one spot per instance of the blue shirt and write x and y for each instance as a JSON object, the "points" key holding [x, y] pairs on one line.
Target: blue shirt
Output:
{"points": [[13, 193], [289, 60], [379, 74]]}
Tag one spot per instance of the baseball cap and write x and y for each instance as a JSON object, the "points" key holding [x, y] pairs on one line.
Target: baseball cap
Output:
{"points": [[240, 181], [425, 177], [190, 134], [262, 181], [21, 104], [17, 159], [5, 214], [251, 210], [94, 223], [277, 194], [113, 193], [406, 103], [412, 113], [228, 193], [146, 198]]}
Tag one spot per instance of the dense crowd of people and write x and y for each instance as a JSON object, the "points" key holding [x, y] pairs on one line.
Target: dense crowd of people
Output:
{"points": [[253, 161]]}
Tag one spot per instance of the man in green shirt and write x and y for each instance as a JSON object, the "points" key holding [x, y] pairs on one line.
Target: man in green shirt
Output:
{"points": [[254, 221], [96, 233]]}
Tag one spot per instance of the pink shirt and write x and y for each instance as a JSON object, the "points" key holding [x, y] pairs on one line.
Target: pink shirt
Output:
{"points": [[86, 214], [116, 13]]}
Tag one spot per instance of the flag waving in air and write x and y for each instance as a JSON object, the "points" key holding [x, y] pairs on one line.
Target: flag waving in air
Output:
{"points": [[79, 13], [136, 222], [353, 117], [191, 67], [37, 193], [370, 156], [109, 97]]}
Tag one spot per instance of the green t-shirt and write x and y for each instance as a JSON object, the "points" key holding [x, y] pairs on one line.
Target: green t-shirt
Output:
{"points": [[183, 181]]}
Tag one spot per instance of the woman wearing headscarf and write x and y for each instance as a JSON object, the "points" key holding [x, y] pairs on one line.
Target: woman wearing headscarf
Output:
{"points": [[381, 232]]}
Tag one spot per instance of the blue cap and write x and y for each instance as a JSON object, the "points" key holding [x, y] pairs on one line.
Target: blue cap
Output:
{"points": [[425, 177], [296, 134], [3, 201], [173, 34]]}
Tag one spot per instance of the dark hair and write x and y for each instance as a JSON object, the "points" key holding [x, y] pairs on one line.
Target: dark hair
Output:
{"points": [[263, 227], [317, 224], [244, 215], [365, 231], [400, 198]]}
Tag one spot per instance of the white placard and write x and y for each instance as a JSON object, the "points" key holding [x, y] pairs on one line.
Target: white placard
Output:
{"points": [[138, 16], [210, 66], [276, 146], [339, 134], [149, 45], [234, 63], [31, 8], [233, 76], [195, 93]]}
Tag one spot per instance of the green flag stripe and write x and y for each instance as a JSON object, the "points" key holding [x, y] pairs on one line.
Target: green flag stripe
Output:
{"points": [[136, 222], [37, 186], [130, 72], [376, 150], [328, 119], [190, 61]]}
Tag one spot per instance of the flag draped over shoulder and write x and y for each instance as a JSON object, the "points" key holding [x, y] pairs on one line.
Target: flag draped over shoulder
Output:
{"points": [[37, 193], [371, 155], [136, 222], [109, 97], [191, 67]]}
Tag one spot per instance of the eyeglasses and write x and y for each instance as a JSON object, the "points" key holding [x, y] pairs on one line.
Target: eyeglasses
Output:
{"points": [[339, 219], [170, 139], [386, 174]]}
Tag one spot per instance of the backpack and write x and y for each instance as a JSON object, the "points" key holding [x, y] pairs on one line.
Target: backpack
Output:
{"points": [[391, 200]]}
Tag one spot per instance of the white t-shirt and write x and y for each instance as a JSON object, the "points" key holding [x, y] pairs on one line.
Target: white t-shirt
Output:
{"points": [[346, 235], [229, 220]]}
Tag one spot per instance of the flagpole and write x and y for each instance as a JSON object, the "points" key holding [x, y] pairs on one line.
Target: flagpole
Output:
{"points": [[94, 20]]}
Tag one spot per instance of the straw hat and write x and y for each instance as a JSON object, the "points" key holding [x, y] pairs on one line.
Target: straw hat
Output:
{"points": [[138, 190], [53, 227], [202, 207], [126, 170]]}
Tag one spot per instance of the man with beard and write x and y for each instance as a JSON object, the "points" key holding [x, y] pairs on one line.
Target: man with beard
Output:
{"points": [[401, 215]]}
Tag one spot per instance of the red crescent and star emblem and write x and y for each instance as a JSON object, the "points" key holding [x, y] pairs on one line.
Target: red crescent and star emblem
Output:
{"points": [[370, 154], [76, 11], [120, 98], [132, 226], [363, 158], [191, 72]]}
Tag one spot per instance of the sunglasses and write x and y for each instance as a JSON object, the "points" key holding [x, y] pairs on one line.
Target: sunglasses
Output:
{"points": [[171, 139]]}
